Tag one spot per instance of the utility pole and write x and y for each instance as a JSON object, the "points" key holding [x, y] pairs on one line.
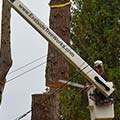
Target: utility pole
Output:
{"points": [[5, 49], [57, 67]]}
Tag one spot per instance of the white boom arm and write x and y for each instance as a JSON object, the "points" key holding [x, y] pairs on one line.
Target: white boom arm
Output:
{"points": [[62, 47]]}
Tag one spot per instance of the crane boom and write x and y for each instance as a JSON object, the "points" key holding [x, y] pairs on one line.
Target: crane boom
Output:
{"points": [[62, 47]]}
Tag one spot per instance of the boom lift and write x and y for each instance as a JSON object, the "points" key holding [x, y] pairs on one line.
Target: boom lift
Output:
{"points": [[71, 56], [97, 112]]}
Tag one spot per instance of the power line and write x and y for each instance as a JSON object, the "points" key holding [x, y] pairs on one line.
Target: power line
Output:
{"points": [[32, 63], [24, 115], [49, 59], [27, 64], [25, 72]]}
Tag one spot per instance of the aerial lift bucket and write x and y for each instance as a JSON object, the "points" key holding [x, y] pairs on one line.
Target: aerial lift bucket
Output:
{"points": [[97, 112], [100, 112]]}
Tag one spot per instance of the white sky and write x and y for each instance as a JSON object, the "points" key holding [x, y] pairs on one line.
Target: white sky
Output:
{"points": [[27, 45]]}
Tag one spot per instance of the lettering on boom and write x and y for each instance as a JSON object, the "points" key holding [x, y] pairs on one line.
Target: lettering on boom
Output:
{"points": [[59, 42], [32, 16], [23, 9], [37, 21], [47, 30]]}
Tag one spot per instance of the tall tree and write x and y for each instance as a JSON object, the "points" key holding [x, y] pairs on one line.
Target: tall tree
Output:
{"points": [[95, 34], [5, 52], [57, 67]]}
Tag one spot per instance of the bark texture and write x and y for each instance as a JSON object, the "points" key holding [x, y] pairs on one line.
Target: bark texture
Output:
{"points": [[57, 67], [5, 50], [44, 106]]}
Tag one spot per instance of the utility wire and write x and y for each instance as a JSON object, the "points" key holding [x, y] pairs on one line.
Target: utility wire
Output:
{"points": [[25, 72], [27, 64], [24, 115], [49, 59]]}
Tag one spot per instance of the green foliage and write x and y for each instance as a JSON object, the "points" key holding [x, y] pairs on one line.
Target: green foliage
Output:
{"points": [[95, 34], [73, 100], [115, 76], [95, 29], [73, 107]]}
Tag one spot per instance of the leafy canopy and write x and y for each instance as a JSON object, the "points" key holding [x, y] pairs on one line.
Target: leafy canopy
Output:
{"points": [[95, 34]]}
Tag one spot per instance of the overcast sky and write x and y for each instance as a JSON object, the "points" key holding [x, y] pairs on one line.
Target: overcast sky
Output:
{"points": [[27, 45]]}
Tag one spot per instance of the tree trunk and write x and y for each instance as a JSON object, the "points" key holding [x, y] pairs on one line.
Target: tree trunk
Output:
{"points": [[57, 67], [43, 106], [5, 52]]}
